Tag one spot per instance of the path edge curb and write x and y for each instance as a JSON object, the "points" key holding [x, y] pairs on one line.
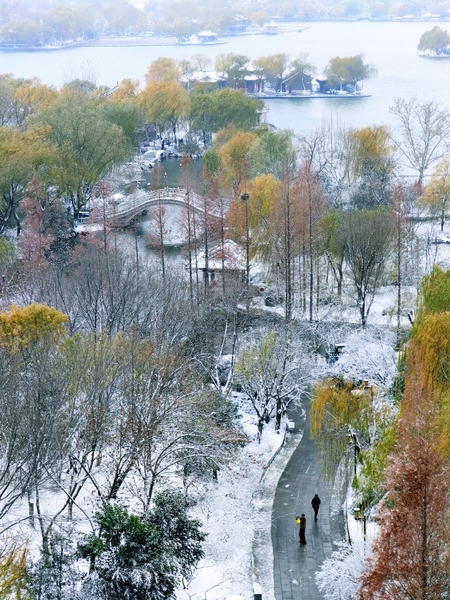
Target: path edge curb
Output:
{"points": [[262, 502]]}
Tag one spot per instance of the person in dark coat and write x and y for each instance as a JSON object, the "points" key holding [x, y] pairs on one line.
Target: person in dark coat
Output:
{"points": [[302, 530], [315, 503]]}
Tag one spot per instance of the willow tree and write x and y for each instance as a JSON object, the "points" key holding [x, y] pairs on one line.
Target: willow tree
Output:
{"points": [[13, 571], [165, 104], [23, 156], [235, 161], [371, 164], [435, 292], [272, 153], [163, 69], [233, 67], [264, 194], [437, 191], [347, 70], [429, 350], [211, 111], [436, 40], [338, 407], [409, 558], [276, 68], [86, 145], [273, 68]]}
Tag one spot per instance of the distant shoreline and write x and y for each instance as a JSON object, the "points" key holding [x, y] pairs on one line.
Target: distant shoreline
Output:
{"points": [[116, 42], [136, 41], [297, 96]]}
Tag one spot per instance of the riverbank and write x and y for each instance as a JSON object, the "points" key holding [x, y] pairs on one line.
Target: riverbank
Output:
{"points": [[131, 41], [104, 42], [297, 96]]}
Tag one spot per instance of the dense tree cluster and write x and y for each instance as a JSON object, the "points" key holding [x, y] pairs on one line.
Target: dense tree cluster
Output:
{"points": [[116, 369]]}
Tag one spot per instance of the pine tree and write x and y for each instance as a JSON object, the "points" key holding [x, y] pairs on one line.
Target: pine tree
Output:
{"points": [[142, 558]]}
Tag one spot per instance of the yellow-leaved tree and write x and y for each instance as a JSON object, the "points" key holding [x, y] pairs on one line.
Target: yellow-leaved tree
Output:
{"points": [[235, 161], [165, 104], [13, 573], [341, 413], [437, 193], [23, 328], [260, 206], [35, 400]]}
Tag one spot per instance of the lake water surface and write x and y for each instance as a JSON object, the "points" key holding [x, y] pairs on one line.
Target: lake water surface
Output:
{"points": [[390, 47]]}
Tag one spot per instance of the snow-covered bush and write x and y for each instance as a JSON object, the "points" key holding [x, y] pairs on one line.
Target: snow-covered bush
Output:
{"points": [[338, 576]]}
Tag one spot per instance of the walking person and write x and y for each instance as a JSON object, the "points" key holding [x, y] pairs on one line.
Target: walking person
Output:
{"points": [[315, 503], [302, 522]]}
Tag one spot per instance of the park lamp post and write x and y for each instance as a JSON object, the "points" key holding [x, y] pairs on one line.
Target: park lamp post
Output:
{"points": [[244, 198], [353, 440]]}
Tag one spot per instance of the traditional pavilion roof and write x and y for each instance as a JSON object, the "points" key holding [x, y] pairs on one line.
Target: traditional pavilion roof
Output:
{"points": [[232, 254]]}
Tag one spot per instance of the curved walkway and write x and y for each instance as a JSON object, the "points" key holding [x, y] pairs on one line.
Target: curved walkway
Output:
{"points": [[295, 565]]}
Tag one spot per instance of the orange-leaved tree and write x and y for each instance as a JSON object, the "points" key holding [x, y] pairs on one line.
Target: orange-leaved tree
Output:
{"points": [[410, 560]]}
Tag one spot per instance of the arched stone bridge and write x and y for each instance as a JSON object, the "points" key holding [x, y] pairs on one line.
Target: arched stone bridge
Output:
{"points": [[138, 205]]}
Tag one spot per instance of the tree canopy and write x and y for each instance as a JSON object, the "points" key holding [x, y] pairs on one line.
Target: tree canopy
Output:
{"points": [[349, 70], [165, 103], [436, 40], [87, 145], [276, 67], [144, 558]]}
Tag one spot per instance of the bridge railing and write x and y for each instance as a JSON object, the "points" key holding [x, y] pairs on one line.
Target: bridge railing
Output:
{"points": [[135, 204]]}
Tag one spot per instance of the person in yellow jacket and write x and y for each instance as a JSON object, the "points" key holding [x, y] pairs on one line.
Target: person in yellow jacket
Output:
{"points": [[302, 522]]}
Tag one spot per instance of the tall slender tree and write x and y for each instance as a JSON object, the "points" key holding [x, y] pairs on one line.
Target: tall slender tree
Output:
{"points": [[410, 559]]}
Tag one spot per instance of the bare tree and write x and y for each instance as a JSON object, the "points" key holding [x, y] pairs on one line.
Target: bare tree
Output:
{"points": [[404, 234], [424, 132], [269, 374]]}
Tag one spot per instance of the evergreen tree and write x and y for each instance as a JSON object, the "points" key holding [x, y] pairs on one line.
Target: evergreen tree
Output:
{"points": [[133, 557]]}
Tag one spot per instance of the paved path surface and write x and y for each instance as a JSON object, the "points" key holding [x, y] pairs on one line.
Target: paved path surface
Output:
{"points": [[294, 564]]}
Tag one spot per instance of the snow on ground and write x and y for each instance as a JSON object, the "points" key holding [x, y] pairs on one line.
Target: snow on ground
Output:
{"points": [[235, 511], [226, 509]]}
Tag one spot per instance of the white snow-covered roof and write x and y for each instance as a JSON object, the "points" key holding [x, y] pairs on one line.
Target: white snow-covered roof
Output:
{"points": [[229, 254], [202, 77]]}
